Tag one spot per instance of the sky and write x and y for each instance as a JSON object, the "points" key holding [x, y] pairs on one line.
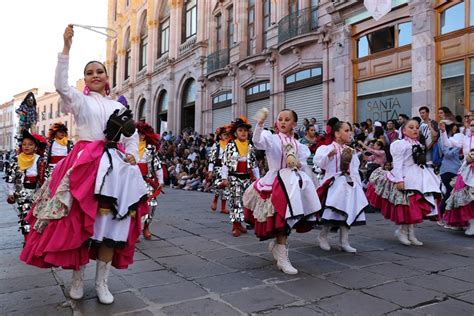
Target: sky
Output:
{"points": [[31, 35]]}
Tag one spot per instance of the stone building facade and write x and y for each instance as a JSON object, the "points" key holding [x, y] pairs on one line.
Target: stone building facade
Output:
{"points": [[7, 126], [199, 64]]}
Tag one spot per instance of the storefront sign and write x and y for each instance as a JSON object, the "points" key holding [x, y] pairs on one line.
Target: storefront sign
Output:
{"points": [[384, 106], [378, 8]]}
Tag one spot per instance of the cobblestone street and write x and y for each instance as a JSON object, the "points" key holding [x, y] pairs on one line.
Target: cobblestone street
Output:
{"points": [[193, 266]]}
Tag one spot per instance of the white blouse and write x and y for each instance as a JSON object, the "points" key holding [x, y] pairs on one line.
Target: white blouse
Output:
{"points": [[58, 150], [332, 166], [466, 142], [91, 112], [273, 146]]}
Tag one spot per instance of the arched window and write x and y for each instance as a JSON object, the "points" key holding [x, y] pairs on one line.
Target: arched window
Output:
{"points": [[189, 19], [114, 65], [162, 112], [188, 105], [141, 110], [143, 43], [164, 30], [128, 55]]}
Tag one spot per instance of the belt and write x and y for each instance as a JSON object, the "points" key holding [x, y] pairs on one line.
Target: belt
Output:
{"points": [[56, 159], [241, 176]]}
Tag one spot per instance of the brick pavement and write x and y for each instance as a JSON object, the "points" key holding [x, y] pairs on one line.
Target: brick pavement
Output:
{"points": [[193, 266]]}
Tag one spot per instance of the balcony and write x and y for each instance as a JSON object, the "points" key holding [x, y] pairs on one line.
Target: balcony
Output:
{"points": [[217, 60], [300, 23]]}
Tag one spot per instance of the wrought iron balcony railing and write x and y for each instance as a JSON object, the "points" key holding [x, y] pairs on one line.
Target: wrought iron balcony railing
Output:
{"points": [[217, 60], [298, 23]]}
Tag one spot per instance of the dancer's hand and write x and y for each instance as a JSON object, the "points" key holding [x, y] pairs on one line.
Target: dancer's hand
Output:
{"points": [[130, 159], [332, 153], [442, 127], [68, 34], [400, 186], [11, 199]]}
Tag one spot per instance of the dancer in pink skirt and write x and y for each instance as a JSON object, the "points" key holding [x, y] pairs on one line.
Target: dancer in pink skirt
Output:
{"points": [[409, 192], [81, 213], [460, 204]]}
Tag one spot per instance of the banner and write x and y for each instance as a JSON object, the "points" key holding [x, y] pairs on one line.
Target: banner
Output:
{"points": [[384, 106], [378, 8]]}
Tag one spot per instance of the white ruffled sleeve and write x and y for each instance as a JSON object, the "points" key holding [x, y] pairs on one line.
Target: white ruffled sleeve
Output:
{"points": [[131, 145], [397, 173], [321, 158], [262, 139], [71, 99]]}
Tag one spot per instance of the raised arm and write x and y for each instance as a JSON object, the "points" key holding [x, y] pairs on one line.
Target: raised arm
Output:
{"points": [[261, 138], [71, 99], [324, 154]]}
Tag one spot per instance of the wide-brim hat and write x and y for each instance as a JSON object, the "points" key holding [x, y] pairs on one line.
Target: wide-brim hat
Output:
{"points": [[37, 139], [240, 122]]}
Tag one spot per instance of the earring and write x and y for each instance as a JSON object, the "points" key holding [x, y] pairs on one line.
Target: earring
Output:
{"points": [[107, 88], [86, 90]]}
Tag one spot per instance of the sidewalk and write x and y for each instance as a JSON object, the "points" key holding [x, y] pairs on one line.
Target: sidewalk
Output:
{"points": [[196, 267]]}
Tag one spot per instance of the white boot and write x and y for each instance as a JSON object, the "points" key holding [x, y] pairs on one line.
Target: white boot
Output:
{"points": [[470, 230], [101, 287], [283, 262], [344, 240], [411, 236], [77, 284], [323, 238], [402, 234]]}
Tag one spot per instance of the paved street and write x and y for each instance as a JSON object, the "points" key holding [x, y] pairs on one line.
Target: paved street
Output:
{"points": [[194, 266]]}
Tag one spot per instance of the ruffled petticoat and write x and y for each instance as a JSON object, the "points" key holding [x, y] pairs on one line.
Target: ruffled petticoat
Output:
{"points": [[344, 203], [401, 207], [291, 203], [65, 214], [460, 204]]}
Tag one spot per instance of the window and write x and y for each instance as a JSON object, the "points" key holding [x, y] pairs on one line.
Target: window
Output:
{"points": [[472, 84], [314, 14], [115, 10], [141, 110], [218, 31], [50, 111], [471, 15], [222, 100], [230, 27], [452, 18], [128, 56], [452, 86], [404, 34], [362, 47], [384, 39], [163, 104], [303, 78], [143, 44], [114, 68], [251, 27], [190, 19], [292, 7], [164, 37], [258, 88], [267, 16]]}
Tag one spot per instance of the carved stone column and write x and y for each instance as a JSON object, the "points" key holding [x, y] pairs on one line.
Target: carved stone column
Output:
{"points": [[423, 55]]}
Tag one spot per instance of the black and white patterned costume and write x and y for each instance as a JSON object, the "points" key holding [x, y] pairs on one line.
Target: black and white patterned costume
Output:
{"points": [[152, 172], [23, 184], [54, 153], [238, 170], [216, 156]]}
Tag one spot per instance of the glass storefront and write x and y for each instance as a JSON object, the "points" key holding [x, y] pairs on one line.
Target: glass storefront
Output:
{"points": [[452, 86], [385, 98]]}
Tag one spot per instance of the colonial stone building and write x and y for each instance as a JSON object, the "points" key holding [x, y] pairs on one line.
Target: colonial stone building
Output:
{"points": [[7, 126], [199, 64]]}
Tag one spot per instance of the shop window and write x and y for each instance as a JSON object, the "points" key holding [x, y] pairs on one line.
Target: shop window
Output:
{"points": [[362, 47], [472, 83], [452, 19], [381, 40], [404, 34], [452, 86]]}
